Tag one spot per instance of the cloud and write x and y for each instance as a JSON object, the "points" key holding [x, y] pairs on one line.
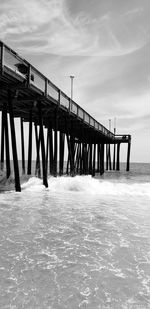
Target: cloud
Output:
{"points": [[48, 27]]}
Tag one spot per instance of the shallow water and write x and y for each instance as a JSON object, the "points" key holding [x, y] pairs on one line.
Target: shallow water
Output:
{"points": [[82, 243]]}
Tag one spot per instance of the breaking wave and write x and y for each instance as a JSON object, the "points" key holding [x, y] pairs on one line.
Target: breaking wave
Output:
{"points": [[87, 185]]}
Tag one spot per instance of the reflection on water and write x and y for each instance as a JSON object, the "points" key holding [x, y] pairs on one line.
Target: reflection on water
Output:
{"points": [[74, 246]]}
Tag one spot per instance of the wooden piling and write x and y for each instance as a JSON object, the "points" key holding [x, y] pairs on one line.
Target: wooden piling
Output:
{"points": [[102, 149], [94, 157], [51, 151], [41, 136], [109, 157], [55, 145], [90, 157], [114, 157], [4, 112], [14, 145], [2, 141], [22, 146], [30, 144], [37, 140], [118, 157], [128, 156], [61, 152]]}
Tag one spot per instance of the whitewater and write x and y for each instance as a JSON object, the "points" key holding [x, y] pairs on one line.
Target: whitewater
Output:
{"points": [[82, 242]]}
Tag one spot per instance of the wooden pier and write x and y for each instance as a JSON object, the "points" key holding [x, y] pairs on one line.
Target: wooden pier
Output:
{"points": [[57, 126]]}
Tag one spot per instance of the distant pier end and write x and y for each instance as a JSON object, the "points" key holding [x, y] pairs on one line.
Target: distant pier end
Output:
{"points": [[57, 127]]}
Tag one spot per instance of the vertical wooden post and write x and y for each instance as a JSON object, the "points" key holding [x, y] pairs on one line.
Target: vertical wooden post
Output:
{"points": [[30, 144], [2, 142], [90, 157], [47, 149], [72, 153], [22, 146], [70, 156], [109, 157], [98, 158], [114, 158], [128, 156], [37, 139], [4, 112], [51, 159], [55, 144], [13, 139], [86, 158], [118, 157], [94, 155], [61, 153], [78, 156], [102, 159], [41, 135], [81, 158]]}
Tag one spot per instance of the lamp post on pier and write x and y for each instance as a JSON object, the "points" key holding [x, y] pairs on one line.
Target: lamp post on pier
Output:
{"points": [[71, 77]]}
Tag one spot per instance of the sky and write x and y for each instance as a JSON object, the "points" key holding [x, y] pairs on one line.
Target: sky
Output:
{"points": [[105, 44]]}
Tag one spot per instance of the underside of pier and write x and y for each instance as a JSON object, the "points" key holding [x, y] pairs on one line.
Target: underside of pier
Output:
{"points": [[57, 126]]}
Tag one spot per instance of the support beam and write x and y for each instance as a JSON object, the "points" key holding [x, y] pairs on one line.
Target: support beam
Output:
{"points": [[41, 136], [14, 145], [61, 152], [37, 140], [22, 146], [8, 171], [4, 112], [109, 157], [114, 157], [102, 149], [98, 158], [2, 142], [78, 157], [90, 157], [94, 157], [128, 157], [55, 145], [30, 144], [118, 157], [51, 151]]}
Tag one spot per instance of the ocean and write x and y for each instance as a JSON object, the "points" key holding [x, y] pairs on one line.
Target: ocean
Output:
{"points": [[81, 243]]}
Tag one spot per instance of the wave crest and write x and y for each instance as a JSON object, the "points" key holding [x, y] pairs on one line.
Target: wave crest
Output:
{"points": [[88, 185]]}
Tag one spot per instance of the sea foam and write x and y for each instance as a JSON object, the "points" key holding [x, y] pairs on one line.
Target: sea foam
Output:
{"points": [[87, 185]]}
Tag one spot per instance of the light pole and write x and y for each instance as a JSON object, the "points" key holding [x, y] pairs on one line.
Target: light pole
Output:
{"points": [[109, 124], [71, 77], [115, 125]]}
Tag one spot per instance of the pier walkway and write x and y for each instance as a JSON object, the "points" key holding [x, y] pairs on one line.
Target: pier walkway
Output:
{"points": [[57, 126]]}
